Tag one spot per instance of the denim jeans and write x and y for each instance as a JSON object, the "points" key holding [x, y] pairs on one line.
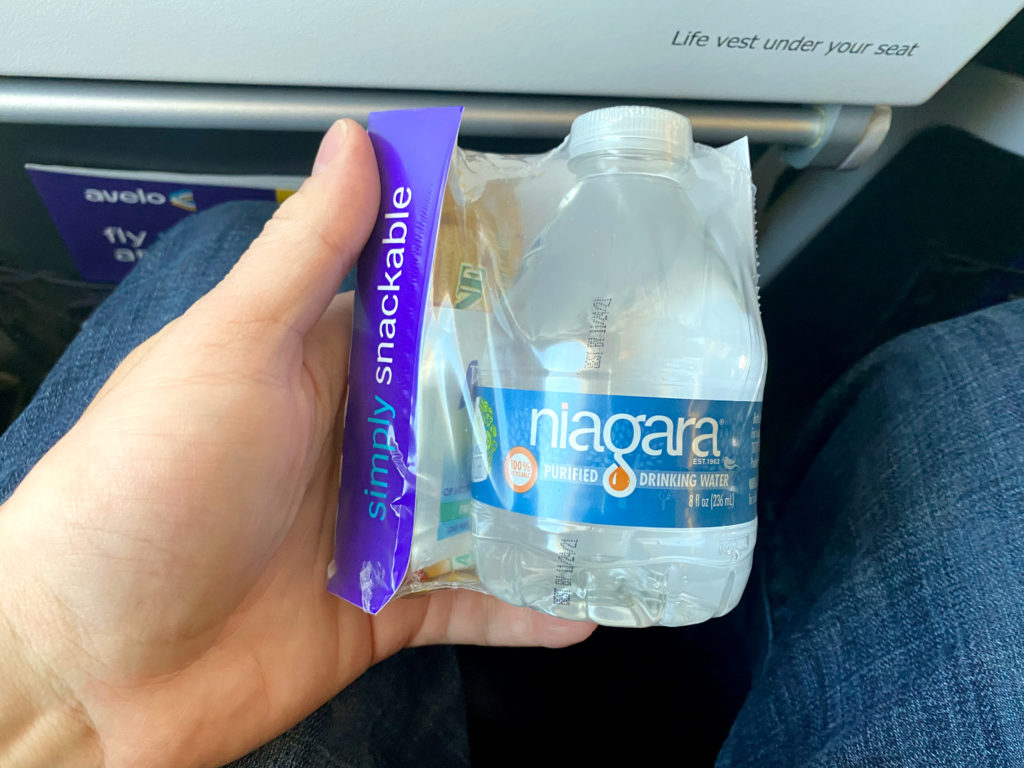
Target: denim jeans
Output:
{"points": [[892, 555]]}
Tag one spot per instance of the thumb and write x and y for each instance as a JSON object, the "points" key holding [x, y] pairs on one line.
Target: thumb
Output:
{"points": [[294, 268]]}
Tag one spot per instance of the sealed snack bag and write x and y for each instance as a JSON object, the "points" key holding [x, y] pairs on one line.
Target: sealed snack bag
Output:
{"points": [[557, 371]]}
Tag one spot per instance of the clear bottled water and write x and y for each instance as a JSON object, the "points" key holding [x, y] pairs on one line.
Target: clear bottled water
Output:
{"points": [[617, 422]]}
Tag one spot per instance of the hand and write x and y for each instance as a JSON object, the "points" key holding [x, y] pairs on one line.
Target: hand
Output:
{"points": [[164, 565]]}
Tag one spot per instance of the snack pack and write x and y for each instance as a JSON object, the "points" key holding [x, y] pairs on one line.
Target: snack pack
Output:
{"points": [[556, 373]]}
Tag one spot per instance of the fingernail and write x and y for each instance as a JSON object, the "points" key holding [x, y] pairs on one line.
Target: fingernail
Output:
{"points": [[330, 146]]}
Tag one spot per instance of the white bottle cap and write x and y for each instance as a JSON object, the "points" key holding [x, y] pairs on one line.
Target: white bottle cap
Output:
{"points": [[647, 128]]}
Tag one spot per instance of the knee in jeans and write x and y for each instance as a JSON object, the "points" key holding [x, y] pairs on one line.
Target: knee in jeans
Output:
{"points": [[980, 353], [208, 243]]}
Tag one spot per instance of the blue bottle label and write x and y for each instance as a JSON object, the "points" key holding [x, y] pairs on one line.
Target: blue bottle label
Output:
{"points": [[648, 462]]}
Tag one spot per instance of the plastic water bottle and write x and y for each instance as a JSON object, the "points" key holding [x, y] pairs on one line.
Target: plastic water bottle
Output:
{"points": [[617, 417]]}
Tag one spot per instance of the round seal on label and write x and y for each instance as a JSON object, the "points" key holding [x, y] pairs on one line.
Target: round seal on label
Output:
{"points": [[520, 469]]}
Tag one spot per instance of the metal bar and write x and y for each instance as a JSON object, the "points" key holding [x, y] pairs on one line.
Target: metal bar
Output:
{"points": [[173, 105]]}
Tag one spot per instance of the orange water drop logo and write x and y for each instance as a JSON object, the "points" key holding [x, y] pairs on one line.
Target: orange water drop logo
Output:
{"points": [[619, 479]]}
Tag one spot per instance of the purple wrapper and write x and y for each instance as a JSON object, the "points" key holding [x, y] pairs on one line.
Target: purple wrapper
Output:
{"points": [[377, 498]]}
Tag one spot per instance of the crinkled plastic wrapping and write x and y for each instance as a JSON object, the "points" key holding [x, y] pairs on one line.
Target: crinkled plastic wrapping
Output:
{"points": [[452, 230]]}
